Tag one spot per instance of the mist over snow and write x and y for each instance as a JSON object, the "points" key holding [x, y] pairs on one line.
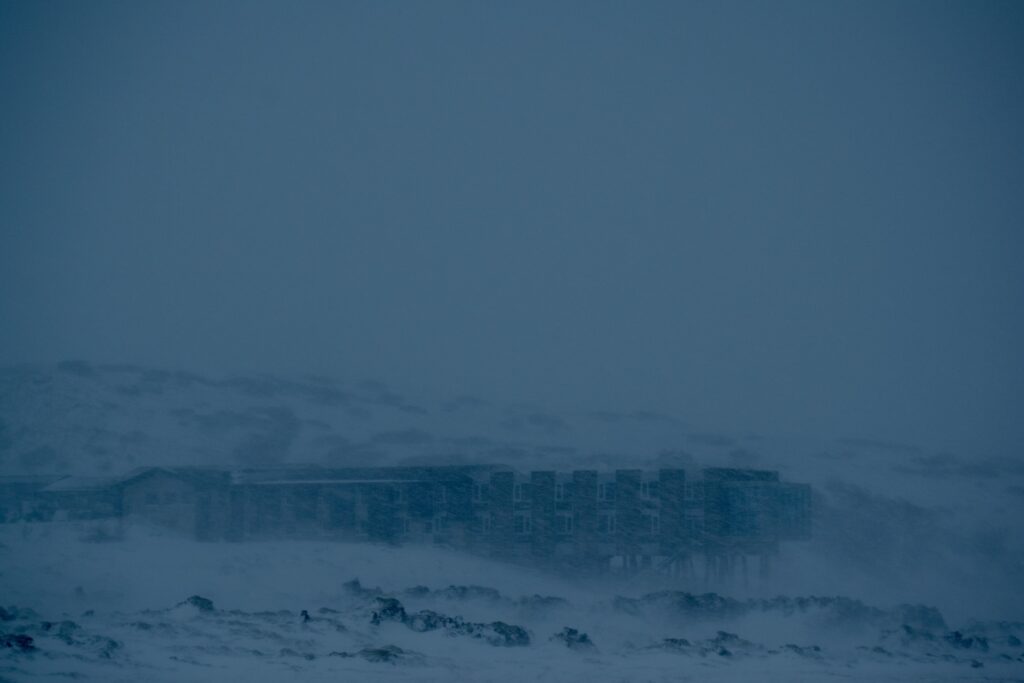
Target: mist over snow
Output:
{"points": [[329, 331], [913, 568]]}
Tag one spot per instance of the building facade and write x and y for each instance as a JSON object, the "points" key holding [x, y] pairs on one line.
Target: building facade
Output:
{"points": [[627, 518]]}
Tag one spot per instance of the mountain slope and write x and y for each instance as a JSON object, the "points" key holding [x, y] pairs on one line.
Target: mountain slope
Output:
{"points": [[892, 521]]}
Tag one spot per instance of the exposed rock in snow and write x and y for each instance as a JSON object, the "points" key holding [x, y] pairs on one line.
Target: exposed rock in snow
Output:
{"points": [[495, 633], [17, 641], [574, 640], [388, 654]]}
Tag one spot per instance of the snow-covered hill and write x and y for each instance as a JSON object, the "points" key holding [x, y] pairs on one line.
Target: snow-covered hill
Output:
{"points": [[168, 609], [894, 523]]}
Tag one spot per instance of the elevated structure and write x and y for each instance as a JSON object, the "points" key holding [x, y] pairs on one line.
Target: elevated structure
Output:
{"points": [[627, 518]]}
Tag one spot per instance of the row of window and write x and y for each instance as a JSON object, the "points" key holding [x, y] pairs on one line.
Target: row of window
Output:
{"points": [[605, 491], [565, 524], [306, 506], [520, 492], [168, 498]]}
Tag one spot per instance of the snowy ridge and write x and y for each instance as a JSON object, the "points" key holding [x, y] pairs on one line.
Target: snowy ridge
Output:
{"points": [[324, 626], [894, 524], [894, 520]]}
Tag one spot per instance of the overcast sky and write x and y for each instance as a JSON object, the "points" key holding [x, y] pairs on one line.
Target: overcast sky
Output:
{"points": [[769, 216]]}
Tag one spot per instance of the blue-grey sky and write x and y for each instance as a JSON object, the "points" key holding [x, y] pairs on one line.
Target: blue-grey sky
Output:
{"points": [[781, 217]]}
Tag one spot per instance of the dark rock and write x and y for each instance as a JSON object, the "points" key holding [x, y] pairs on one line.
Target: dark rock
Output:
{"points": [[199, 602], [920, 616], [495, 633], [62, 630], [574, 640], [66, 629], [675, 644], [107, 647], [389, 654], [17, 641], [957, 640], [465, 592], [507, 635], [426, 620], [13, 613], [837, 610], [726, 638], [725, 644], [354, 587], [389, 609], [266, 614], [910, 635], [540, 602]]}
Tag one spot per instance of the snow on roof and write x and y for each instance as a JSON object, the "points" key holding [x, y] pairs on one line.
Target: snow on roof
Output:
{"points": [[314, 475], [196, 475], [38, 480], [307, 482], [80, 484]]}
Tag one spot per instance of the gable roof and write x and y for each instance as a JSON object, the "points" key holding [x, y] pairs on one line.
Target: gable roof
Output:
{"points": [[362, 475], [197, 476], [23, 484], [72, 483]]}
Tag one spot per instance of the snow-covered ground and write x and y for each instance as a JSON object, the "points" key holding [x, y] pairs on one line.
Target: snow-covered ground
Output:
{"points": [[894, 524], [126, 611]]}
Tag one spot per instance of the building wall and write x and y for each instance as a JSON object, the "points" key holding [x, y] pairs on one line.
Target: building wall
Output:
{"points": [[584, 539], [542, 516], [675, 537], [165, 500], [581, 518], [500, 539], [628, 514]]}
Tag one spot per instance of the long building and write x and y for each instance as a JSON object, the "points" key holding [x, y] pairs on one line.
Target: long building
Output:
{"points": [[628, 518]]}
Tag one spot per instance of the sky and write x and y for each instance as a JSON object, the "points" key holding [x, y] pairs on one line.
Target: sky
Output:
{"points": [[785, 218]]}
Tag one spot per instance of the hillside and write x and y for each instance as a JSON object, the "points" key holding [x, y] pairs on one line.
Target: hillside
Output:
{"points": [[892, 521]]}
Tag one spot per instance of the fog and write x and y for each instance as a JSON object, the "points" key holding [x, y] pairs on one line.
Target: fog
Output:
{"points": [[790, 218], [555, 236]]}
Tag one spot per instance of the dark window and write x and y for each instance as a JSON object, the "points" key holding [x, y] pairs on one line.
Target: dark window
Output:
{"points": [[342, 513], [478, 493], [303, 504]]}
